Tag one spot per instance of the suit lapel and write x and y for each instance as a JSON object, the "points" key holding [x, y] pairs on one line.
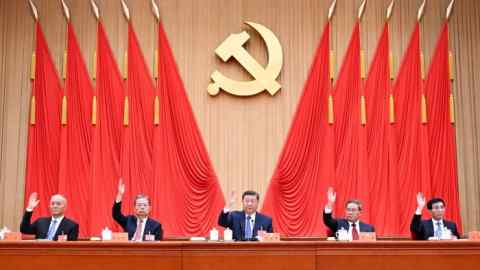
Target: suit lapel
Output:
{"points": [[430, 228], [242, 225]]}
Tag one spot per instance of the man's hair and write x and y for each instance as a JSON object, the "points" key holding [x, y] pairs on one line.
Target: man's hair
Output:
{"points": [[434, 201], [60, 196], [354, 201], [251, 193], [141, 196]]}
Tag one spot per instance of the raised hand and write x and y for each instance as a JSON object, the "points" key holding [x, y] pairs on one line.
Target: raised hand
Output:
{"points": [[332, 196], [120, 190], [232, 199], [420, 201], [33, 201]]}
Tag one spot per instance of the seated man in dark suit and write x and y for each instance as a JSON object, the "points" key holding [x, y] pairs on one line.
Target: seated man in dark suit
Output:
{"points": [[138, 226], [245, 224], [351, 222], [434, 227], [49, 227]]}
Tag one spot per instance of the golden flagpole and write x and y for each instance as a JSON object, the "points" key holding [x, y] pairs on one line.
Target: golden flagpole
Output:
{"points": [[391, 101], [363, 106], [331, 118], [33, 68]]}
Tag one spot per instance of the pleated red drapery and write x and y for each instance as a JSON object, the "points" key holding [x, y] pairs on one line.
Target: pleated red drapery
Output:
{"points": [[381, 147], [107, 135], [297, 191], [441, 132], [76, 137], [188, 194], [43, 147], [351, 179], [136, 156], [411, 134]]}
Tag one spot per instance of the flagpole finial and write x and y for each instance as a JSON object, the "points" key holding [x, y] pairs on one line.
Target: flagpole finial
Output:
{"points": [[155, 10], [420, 11], [126, 12], [361, 9], [34, 10], [331, 10], [390, 9], [95, 9], [449, 9], [66, 11]]}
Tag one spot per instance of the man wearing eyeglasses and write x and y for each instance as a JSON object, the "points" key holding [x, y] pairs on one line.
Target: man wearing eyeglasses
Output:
{"points": [[351, 223], [434, 227], [139, 226]]}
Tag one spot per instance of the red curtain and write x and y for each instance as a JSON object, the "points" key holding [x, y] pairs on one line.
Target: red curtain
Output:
{"points": [[188, 197], [107, 135], [136, 157], [411, 134], [76, 137], [381, 147], [351, 179], [443, 161], [297, 191], [43, 147]]}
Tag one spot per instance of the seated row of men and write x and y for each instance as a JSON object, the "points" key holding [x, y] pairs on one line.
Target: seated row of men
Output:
{"points": [[245, 224]]}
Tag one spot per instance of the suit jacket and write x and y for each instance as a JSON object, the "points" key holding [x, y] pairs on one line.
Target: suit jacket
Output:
{"points": [[129, 223], [41, 225], [423, 229], [235, 220], [336, 224]]}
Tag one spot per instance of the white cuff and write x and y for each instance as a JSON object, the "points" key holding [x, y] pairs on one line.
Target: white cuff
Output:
{"points": [[327, 210], [226, 210]]}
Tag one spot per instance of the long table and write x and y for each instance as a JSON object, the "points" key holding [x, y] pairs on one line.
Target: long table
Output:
{"points": [[291, 255]]}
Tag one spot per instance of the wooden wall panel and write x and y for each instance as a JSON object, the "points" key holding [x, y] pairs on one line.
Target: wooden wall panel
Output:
{"points": [[244, 136]]}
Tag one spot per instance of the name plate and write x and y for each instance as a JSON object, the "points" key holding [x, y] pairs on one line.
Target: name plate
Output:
{"points": [[12, 236], [120, 237], [367, 236], [270, 237]]}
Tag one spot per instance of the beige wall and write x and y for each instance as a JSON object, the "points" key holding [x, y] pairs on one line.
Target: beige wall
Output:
{"points": [[243, 135]]}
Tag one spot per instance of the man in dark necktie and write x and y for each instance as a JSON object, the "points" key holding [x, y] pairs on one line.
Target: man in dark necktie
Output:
{"points": [[245, 224], [139, 226], [52, 227], [351, 223], [434, 227]]}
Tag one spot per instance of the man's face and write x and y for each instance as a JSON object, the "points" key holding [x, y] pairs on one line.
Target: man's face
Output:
{"points": [[438, 210], [250, 204], [142, 207], [57, 205], [352, 212]]}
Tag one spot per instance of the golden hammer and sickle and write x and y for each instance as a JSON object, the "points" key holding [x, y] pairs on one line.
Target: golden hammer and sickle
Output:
{"points": [[265, 78]]}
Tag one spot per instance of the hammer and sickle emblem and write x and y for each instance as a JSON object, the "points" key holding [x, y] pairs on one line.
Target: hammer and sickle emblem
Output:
{"points": [[264, 78]]}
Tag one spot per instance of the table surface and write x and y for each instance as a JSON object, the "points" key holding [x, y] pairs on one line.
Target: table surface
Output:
{"points": [[308, 255]]}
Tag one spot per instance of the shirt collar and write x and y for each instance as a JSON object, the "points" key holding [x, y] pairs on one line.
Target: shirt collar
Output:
{"points": [[436, 221], [252, 216], [58, 219]]}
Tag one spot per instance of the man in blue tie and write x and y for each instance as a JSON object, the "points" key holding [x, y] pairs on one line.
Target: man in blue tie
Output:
{"points": [[245, 224], [52, 227], [434, 227]]}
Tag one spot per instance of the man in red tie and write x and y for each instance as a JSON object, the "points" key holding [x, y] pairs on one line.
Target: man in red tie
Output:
{"points": [[139, 226], [351, 223]]}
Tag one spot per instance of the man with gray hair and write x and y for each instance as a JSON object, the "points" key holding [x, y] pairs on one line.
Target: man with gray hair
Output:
{"points": [[139, 226], [52, 227], [351, 223]]}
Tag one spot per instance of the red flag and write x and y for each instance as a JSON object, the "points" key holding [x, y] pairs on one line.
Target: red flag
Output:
{"points": [[381, 147], [75, 153], [411, 134], [136, 157], [305, 168], [188, 197], [43, 148], [107, 136], [350, 137], [443, 161]]}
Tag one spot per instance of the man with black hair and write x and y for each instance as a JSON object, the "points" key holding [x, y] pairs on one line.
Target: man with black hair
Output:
{"points": [[245, 224], [434, 227], [351, 223]]}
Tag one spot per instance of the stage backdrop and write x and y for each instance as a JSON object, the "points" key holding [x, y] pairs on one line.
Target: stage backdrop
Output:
{"points": [[243, 136]]}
